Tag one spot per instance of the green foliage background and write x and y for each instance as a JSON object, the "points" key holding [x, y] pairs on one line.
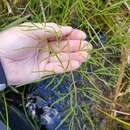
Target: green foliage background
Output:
{"points": [[109, 17]]}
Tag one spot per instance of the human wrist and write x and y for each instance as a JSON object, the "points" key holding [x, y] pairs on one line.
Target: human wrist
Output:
{"points": [[3, 78]]}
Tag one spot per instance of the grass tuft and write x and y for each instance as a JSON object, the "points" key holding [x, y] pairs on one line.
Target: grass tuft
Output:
{"points": [[105, 76]]}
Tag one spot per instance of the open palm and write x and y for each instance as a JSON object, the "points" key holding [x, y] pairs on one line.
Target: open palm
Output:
{"points": [[33, 50]]}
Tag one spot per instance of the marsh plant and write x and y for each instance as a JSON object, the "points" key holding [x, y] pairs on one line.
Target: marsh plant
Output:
{"points": [[99, 91]]}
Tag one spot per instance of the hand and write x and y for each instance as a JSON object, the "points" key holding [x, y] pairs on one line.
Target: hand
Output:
{"points": [[33, 50]]}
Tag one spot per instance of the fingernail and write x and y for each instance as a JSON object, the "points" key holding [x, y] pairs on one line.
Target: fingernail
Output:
{"points": [[83, 35], [75, 64], [67, 28]]}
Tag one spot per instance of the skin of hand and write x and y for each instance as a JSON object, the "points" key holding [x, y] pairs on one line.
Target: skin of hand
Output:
{"points": [[31, 51]]}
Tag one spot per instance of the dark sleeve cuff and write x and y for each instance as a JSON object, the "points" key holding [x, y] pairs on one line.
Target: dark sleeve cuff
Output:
{"points": [[3, 80]]}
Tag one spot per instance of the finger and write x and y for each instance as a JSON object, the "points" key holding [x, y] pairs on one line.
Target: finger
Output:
{"points": [[45, 30], [80, 56], [76, 34], [69, 46], [57, 67]]}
